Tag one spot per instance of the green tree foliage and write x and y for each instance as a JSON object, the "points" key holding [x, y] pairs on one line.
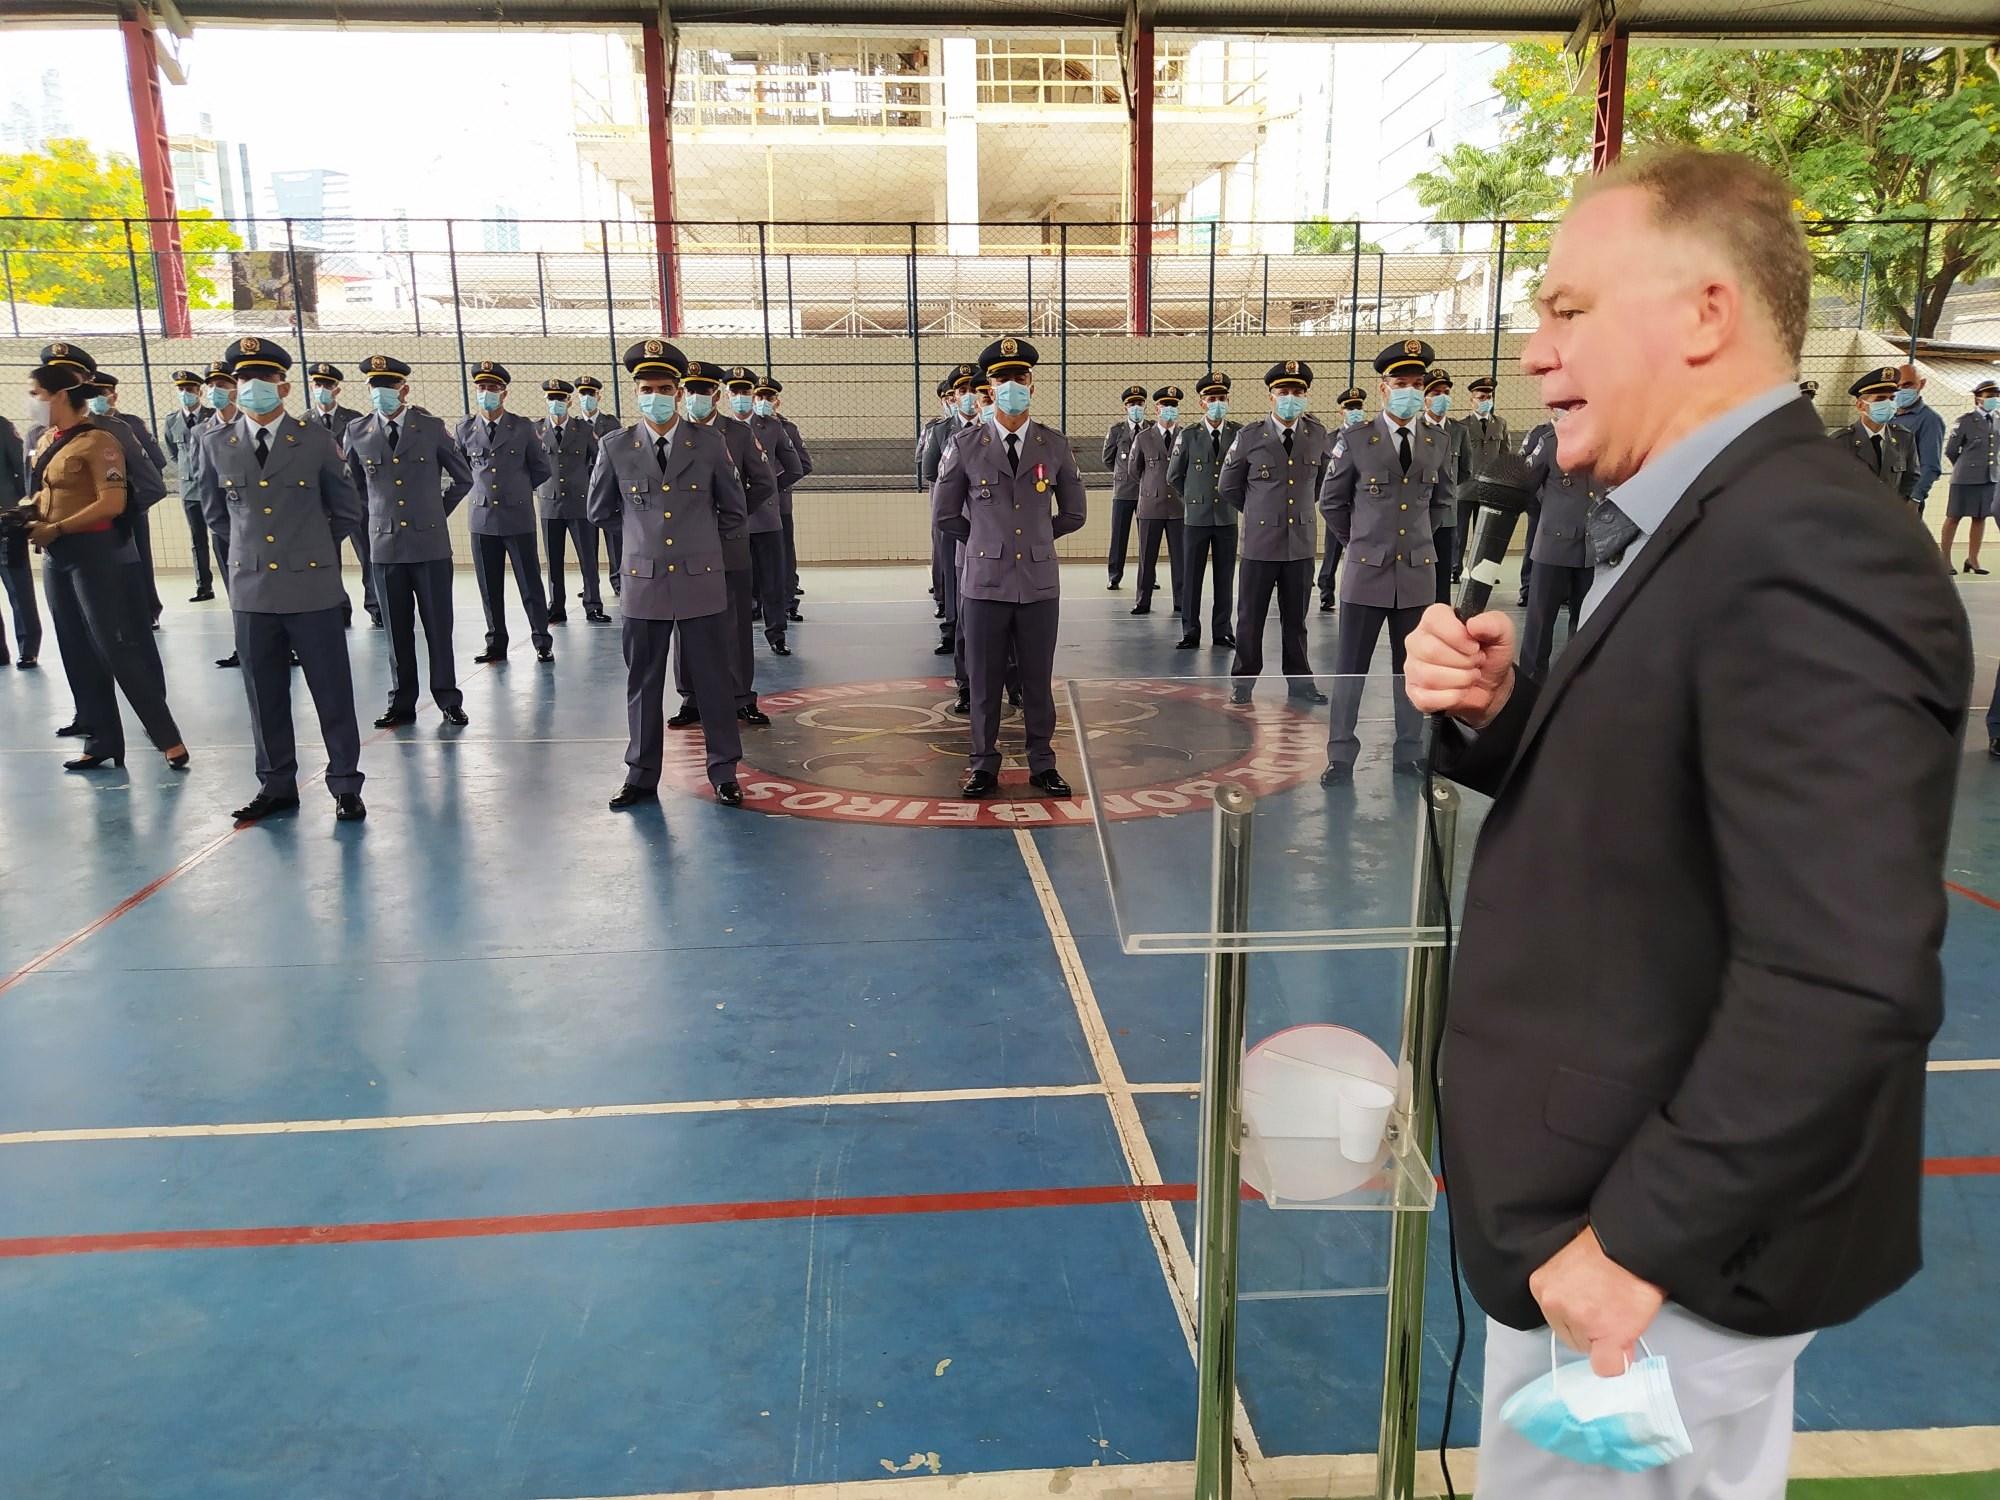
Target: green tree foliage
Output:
{"points": [[1863, 133], [1323, 236], [62, 219], [1514, 183]]}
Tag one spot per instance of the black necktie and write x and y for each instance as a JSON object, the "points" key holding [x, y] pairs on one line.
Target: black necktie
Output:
{"points": [[1482, 428], [1288, 442], [660, 453], [1215, 443], [1611, 532], [327, 421], [492, 433], [392, 437], [1403, 448], [1876, 439], [1014, 452], [263, 445]]}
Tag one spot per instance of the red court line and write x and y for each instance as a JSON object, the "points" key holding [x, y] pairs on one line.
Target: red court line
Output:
{"points": [[1971, 895], [670, 1214]]}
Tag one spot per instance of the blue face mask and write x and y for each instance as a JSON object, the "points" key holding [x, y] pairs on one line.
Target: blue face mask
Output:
{"points": [[257, 396], [323, 395], [1905, 399], [1353, 416], [1881, 411], [1405, 402], [1170, 413], [589, 405], [487, 400], [1217, 410], [1990, 403], [384, 400], [741, 404], [985, 413], [1439, 405], [1484, 408], [98, 405], [190, 400], [1289, 408], [219, 397], [558, 408], [968, 403], [1011, 397], [763, 408], [656, 407], [700, 405], [1135, 414], [1630, 1422]]}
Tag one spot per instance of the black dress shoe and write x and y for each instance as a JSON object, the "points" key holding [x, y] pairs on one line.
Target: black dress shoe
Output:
{"points": [[228, 661], [558, 617], [793, 614], [1336, 776], [1142, 609], [962, 704], [1993, 749], [597, 616], [629, 795], [180, 762], [1410, 767], [348, 807], [396, 716], [729, 794], [73, 730], [375, 618], [755, 717], [455, 716], [1457, 576], [26, 664], [261, 806], [92, 762], [1326, 606], [295, 660], [945, 647], [490, 655], [1013, 698], [778, 646], [545, 653], [1051, 782], [1112, 586], [1225, 642], [1523, 600], [938, 613], [201, 596], [1187, 642], [1306, 694], [1240, 694], [687, 718], [979, 784], [756, 611]]}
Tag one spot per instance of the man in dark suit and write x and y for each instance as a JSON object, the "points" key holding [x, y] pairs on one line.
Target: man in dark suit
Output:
{"points": [[1682, 1093]]}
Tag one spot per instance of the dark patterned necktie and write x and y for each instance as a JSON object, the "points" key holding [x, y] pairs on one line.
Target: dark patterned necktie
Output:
{"points": [[1611, 532]]}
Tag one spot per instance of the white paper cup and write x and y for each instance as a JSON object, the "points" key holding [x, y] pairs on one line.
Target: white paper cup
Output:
{"points": [[1364, 1117]]}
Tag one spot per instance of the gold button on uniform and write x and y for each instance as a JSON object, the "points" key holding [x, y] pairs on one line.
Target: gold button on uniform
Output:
{"points": [[670, 541], [267, 510], [270, 539], [670, 567], [272, 566], [263, 484]]}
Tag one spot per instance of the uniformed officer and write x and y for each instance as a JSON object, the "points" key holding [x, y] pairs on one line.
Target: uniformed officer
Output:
{"points": [[589, 400], [411, 477], [1208, 536], [1159, 507], [508, 465], [1385, 493], [1458, 472], [218, 395], [180, 428], [561, 501], [673, 489], [323, 405], [1560, 549], [937, 418], [1124, 493], [700, 390], [962, 415], [1353, 412], [277, 489], [785, 524], [767, 532], [1974, 451], [1487, 435], [1009, 491], [1270, 474], [75, 478], [149, 487], [17, 566], [1869, 437]]}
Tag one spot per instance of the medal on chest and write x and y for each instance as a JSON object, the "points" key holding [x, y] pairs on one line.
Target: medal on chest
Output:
{"points": [[1041, 480]]}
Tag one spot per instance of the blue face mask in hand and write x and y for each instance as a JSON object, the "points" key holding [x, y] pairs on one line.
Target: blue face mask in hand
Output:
{"points": [[1630, 1422], [1405, 402]]}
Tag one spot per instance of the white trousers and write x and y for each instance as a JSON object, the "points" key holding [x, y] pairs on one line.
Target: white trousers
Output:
{"points": [[1735, 1394]]}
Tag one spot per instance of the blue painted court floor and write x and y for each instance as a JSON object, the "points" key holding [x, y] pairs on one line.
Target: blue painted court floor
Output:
{"points": [[501, 1146]]}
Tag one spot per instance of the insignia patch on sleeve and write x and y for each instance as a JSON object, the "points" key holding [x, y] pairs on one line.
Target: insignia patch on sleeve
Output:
{"points": [[113, 476], [1339, 448]]}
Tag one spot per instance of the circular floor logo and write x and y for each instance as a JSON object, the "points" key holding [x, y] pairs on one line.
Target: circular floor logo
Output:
{"points": [[892, 753]]}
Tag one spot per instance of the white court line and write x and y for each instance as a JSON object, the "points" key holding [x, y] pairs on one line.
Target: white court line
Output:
{"points": [[1176, 1263], [1965, 1065]]}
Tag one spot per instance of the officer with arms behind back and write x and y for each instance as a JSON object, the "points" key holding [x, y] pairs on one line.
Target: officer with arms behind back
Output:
{"points": [[1458, 473], [1209, 532], [412, 477], [962, 415], [1124, 493], [572, 450], [767, 526], [1882, 449], [589, 402], [1487, 435], [1974, 451], [324, 407], [673, 489], [181, 423], [1009, 491], [276, 488], [1353, 412], [508, 464], [1160, 510]]}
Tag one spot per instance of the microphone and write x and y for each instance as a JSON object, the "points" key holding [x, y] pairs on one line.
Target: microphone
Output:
{"points": [[1502, 493]]}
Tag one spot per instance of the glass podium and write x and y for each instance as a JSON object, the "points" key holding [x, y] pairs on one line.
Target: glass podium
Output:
{"points": [[1291, 820]]}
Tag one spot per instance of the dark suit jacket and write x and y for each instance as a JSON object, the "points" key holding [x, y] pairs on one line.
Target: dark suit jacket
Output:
{"points": [[1699, 964]]}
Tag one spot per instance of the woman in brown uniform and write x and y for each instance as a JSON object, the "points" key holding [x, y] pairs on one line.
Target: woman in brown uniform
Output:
{"points": [[77, 485]]}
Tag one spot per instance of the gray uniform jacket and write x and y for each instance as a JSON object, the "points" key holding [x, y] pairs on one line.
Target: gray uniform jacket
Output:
{"points": [[1382, 517], [1195, 468], [1146, 468], [757, 474], [148, 484], [144, 434], [1008, 525], [1118, 443], [282, 519], [13, 466], [1974, 449], [1898, 452], [180, 443], [343, 417], [410, 489], [1562, 502], [506, 470], [572, 452], [1275, 493], [770, 432], [941, 438], [1458, 471], [602, 422], [805, 462], [674, 523], [1485, 445]]}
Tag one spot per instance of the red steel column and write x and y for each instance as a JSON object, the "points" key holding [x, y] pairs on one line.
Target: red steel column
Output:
{"points": [[1608, 135], [156, 173], [1139, 211], [660, 131]]}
